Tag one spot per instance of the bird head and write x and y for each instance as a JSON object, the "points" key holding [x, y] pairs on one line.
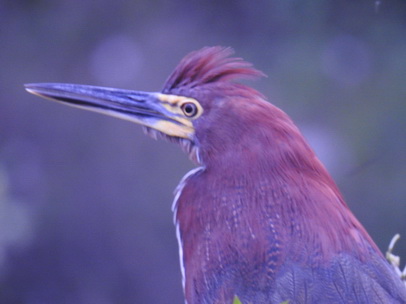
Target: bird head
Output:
{"points": [[201, 107], [198, 97]]}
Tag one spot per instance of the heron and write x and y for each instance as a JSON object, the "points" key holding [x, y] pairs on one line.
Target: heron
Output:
{"points": [[259, 218]]}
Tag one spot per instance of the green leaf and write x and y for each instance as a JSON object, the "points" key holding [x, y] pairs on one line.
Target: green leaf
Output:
{"points": [[236, 300]]}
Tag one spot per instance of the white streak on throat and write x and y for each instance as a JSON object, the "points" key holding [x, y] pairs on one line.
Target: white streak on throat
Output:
{"points": [[178, 192]]}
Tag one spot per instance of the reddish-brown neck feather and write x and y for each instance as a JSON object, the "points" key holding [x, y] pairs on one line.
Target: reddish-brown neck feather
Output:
{"points": [[241, 134], [258, 140], [262, 217]]}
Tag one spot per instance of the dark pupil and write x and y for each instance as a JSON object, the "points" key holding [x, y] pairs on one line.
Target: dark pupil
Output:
{"points": [[189, 109]]}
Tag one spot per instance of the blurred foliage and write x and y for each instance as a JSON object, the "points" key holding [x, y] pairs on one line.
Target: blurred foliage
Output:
{"points": [[237, 301], [85, 216]]}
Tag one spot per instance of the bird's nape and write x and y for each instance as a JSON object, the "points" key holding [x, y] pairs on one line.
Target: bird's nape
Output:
{"points": [[261, 220]]}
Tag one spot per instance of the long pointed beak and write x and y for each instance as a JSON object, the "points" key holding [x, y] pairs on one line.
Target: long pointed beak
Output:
{"points": [[147, 109]]}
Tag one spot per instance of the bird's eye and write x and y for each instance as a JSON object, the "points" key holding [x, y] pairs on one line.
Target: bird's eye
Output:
{"points": [[189, 109]]}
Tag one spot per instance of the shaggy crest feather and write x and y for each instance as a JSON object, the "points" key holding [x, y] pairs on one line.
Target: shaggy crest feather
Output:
{"points": [[209, 65]]}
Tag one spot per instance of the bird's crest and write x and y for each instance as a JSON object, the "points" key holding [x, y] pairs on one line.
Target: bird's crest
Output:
{"points": [[209, 65]]}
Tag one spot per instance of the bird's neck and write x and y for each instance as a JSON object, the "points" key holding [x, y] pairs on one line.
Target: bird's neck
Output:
{"points": [[268, 167], [286, 178], [301, 198]]}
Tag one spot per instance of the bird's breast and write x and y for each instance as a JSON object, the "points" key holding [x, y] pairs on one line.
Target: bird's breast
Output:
{"points": [[228, 233]]}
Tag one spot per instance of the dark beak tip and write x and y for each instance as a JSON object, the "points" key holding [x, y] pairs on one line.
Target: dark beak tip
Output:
{"points": [[29, 88], [40, 89]]}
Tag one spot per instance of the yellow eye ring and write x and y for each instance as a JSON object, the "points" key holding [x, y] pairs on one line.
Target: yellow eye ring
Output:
{"points": [[189, 109]]}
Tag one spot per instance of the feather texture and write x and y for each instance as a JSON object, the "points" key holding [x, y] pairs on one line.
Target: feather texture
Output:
{"points": [[209, 65], [263, 219]]}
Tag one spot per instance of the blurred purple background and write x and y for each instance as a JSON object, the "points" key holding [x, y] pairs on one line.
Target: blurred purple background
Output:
{"points": [[85, 200]]}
